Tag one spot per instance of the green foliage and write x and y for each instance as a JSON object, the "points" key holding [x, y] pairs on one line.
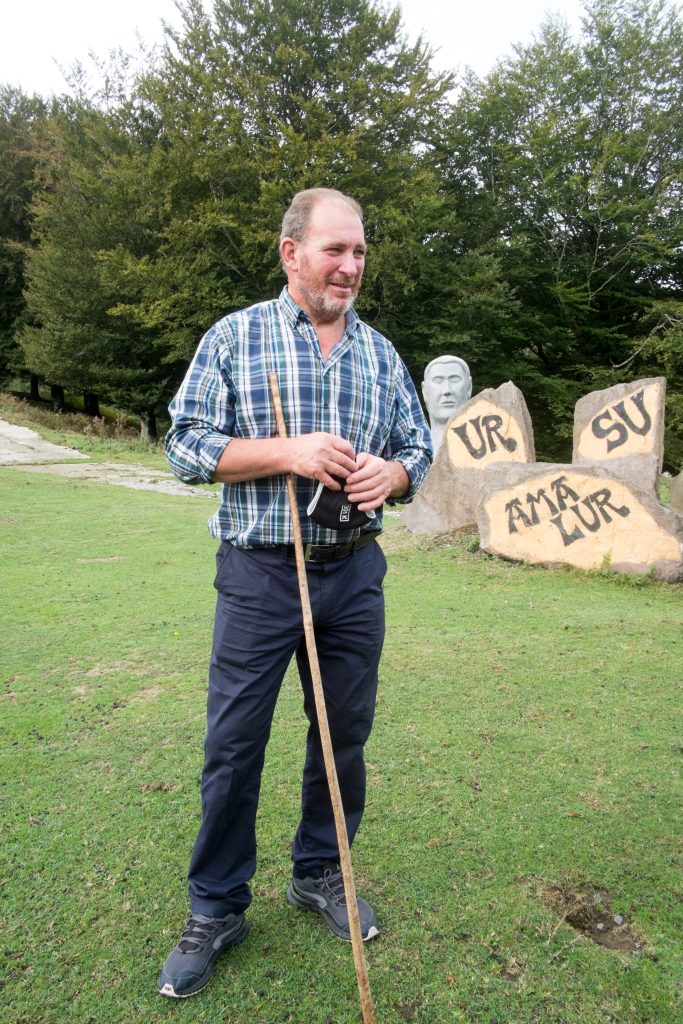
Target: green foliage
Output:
{"points": [[92, 202], [20, 119], [262, 99], [566, 162], [661, 353]]}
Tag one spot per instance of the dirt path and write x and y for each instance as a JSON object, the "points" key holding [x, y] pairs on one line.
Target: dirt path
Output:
{"points": [[26, 450]]}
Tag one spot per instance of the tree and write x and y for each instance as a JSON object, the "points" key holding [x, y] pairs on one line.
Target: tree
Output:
{"points": [[20, 118], [568, 161], [261, 99], [93, 203], [660, 352]]}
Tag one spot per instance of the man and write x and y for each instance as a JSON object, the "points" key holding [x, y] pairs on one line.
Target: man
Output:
{"points": [[352, 415], [446, 386]]}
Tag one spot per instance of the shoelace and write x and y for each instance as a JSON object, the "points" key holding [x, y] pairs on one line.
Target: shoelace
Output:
{"points": [[195, 934], [333, 883]]}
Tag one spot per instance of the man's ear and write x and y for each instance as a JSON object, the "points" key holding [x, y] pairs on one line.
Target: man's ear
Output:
{"points": [[288, 250]]}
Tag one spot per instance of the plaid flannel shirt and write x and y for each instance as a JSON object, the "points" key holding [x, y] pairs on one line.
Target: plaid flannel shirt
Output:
{"points": [[362, 393]]}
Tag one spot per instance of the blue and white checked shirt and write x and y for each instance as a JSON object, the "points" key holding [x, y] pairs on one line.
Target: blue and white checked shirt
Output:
{"points": [[362, 393]]}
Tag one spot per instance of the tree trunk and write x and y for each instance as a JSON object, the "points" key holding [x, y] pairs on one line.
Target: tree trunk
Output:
{"points": [[148, 426], [35, 390], [57, 392], [91, 403]]}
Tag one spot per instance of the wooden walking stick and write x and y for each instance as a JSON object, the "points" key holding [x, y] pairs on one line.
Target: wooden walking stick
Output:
{"points": [[324, 729]]}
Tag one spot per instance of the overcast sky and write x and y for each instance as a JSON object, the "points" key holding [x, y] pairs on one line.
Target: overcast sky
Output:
{"points": [[39, 35]]}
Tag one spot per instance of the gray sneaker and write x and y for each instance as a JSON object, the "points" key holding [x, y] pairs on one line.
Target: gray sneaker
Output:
{"points": [[325, 895], [190, 964]]}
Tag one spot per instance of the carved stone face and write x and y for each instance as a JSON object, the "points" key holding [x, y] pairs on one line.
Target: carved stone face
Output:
{"points": [[446, 387]]}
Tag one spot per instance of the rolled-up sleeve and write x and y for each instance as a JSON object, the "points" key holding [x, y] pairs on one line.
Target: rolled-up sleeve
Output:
{"points": [[202, 412], [410, 441]]}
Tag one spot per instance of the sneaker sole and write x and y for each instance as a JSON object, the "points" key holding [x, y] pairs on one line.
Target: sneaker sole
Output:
{"points": [[169, 992], [310, 903]]}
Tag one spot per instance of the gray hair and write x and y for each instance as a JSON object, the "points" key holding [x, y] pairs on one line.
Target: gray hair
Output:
{"points": [[296, 220]]}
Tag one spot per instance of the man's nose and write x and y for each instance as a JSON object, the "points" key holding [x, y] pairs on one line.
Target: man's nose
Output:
{"points": [[347, 264]]}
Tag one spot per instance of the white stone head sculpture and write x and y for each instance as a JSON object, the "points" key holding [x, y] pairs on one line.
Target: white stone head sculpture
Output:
{"points": [[446, 386]]}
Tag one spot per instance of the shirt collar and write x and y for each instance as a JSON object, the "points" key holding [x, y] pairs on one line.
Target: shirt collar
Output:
{"points": [[294, 312]]}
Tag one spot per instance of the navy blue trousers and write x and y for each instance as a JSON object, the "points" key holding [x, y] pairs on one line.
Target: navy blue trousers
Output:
{"points": [[258, 628]]}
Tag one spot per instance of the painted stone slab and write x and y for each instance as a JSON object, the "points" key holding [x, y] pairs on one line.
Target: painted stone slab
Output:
{"points": [[494, 425], [581, 516], [623, 427]]}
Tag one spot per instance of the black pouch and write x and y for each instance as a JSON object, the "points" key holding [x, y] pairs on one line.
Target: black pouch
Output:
{"points": [[334, 511]]}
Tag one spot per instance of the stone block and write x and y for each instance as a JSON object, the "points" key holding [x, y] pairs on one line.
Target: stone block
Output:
{"points": [[623, 428], [581, 516], [677, 492], [493, 426]]}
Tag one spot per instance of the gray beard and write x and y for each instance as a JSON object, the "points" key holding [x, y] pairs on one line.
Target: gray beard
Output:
{"points": [[325, 309]]}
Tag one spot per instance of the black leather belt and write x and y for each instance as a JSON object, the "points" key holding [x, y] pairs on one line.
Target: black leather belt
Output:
{"points": [[330, 552]]}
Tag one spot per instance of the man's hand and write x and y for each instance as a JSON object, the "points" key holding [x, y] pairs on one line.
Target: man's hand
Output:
{"points": [[321, 457], [317, 456], [375, 480]]}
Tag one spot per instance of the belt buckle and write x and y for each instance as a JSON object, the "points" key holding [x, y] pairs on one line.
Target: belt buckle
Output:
{"points": [[308, 553]]}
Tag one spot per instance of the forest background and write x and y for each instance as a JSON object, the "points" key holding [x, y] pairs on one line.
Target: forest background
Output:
{"points": [[529, 220]]}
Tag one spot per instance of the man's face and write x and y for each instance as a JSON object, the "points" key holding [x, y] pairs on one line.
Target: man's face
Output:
{"points": [[446, 387], [325, 269]]}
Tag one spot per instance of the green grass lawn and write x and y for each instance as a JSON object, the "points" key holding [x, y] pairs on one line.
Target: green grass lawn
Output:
{"points": [[523, 773]]}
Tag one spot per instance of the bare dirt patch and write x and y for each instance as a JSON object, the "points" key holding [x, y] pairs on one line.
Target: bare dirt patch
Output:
{"points": [[513, 970], [111, 558], [114, 668], [151, 693], [408, 1011], [589, 912], [123, 666]]}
